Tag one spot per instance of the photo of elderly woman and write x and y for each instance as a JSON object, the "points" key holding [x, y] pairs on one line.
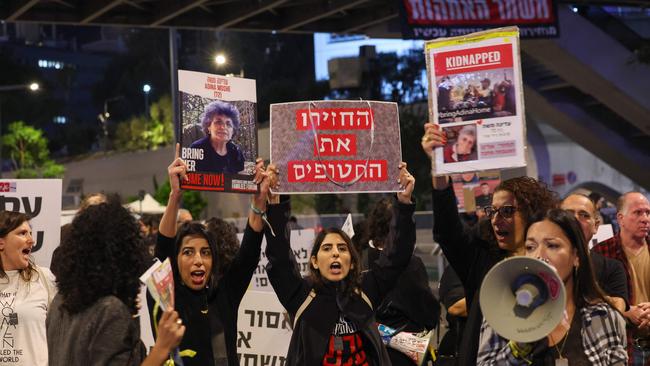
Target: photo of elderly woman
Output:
{"points": [[220, 123], [461, 145]]}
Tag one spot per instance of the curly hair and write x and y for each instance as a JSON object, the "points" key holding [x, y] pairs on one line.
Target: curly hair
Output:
{"points": [[379, 221], [225, 235], [353, 279], [220, 108], [10, 221], [533, 197], [103, 254]]}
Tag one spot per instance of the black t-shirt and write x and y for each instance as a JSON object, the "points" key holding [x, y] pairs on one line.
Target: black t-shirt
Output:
{"points": [[610, 275]]}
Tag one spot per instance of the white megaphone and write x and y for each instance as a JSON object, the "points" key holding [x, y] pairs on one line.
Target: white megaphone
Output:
{"points": [[414, 345], [522, 299]]}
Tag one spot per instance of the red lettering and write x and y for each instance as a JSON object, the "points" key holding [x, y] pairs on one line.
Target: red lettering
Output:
{"points": [[334, 119], [313, 171], [473, 59]]}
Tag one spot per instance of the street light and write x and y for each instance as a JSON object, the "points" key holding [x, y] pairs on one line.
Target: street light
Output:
{"points": [[220, 59], [4, 88], [146, 88]]}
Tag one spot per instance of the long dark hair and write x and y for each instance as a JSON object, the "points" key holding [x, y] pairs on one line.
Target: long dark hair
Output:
{"points": [[103, 254], [10, 221], [353, 279], [225, 235], [585, 288], [195, 228]]}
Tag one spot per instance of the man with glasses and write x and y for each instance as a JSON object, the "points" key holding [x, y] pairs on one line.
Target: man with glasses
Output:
{"points": [[632, 247], [610, 273]]}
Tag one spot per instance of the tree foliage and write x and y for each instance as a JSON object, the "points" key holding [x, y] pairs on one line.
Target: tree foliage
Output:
{"points": [[27, 148], [142, 132]]}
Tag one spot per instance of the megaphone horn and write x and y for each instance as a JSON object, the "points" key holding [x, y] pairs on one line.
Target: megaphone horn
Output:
{"points": [[522, 299]]}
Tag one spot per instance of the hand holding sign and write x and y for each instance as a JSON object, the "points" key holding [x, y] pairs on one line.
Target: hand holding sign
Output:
{"points": [[433, 137], [406, 182], [177, 171]]}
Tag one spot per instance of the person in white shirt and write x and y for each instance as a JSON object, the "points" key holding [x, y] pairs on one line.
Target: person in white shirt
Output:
{"points": [[26, 291]]}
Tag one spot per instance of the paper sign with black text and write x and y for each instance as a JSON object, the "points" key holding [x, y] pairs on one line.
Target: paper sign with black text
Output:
{"points": [[476, 97], [218, 132], [336, 146]]}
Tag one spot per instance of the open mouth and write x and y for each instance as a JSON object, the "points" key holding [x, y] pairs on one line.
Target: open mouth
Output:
{"points": [[198, 277], [27, 251], [335, 268], [501, 234]]}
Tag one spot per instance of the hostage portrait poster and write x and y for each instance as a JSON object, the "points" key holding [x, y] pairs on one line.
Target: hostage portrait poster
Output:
{"points": [[476, 97], [218, 131], [336, 146]]}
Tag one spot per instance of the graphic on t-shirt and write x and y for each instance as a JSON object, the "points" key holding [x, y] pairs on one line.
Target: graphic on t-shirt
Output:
{"points": [[345, 346], [8, 326]]}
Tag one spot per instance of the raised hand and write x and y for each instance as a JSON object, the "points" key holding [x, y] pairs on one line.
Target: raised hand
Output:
{"points": [[433, 137], [177, 169], [407, 183]]}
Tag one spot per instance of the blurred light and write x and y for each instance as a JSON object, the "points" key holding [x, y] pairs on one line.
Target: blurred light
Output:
{"points": [[60, 120], [34, 86], [146, 88], [220, 59], [574, 9]]}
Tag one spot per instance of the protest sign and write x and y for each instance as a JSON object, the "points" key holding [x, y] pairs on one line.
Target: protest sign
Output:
{"points": [[218, 132], [41, 200], [336, 146], [476, 96], [263, 330], [429, 19], [301, 243], [474, 190]]}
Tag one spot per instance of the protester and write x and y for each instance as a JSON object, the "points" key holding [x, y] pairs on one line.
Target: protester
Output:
{"points": [[220, 122], [473, 251], [91, 320], [26, 291], [610, 273], [592, 332], [206, 298], [631, 247], [333, 309], [399, 309]]}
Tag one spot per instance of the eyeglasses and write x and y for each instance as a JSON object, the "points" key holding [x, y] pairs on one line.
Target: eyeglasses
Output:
{"points": [[506, 211]]}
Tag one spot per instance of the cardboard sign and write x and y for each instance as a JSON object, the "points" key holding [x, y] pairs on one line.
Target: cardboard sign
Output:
{"points": [[263, 330], [218, 132], [41, 200], [429, 19], [336, 146], [476, 96]]}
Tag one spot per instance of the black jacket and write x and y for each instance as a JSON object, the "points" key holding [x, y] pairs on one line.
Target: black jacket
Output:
{"points": [[471, 255], [223, 301], [232, 162], [313, 329]]}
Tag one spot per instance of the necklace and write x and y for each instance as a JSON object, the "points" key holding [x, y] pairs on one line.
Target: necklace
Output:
{"points": [[561, 361], [13, 315]]}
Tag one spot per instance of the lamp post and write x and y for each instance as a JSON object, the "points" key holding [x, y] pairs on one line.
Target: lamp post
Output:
{"points": [[146, 88], [103, 119], [5, 88]]}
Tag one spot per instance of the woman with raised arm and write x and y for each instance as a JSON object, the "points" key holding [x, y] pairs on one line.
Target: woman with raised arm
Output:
{"points": [[592, 331], [206, 299], [333, 309], [516, 203]]}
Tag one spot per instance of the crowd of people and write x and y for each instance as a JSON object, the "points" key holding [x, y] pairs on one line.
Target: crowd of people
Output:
{"points": [[85, 310]]}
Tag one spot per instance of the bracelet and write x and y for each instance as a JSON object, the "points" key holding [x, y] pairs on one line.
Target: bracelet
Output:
{"points": [[520, 352], [261, 213], [257, 211]]}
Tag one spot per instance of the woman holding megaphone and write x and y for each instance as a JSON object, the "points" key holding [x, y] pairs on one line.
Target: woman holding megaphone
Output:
{"points": [[591, 331]]}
